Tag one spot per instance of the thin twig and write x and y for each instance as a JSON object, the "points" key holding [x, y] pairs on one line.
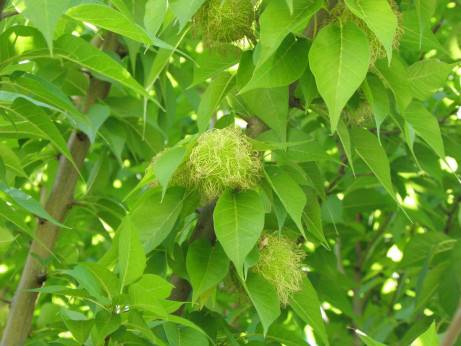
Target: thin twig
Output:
{"points": [[6, 301], [8, 14], [374, 239], [453, 330]]}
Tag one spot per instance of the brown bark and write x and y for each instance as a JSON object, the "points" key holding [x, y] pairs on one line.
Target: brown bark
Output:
{"points": [[58, 203], [453, 331]]}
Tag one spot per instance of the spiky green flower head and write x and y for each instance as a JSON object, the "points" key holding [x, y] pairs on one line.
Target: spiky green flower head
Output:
{"points": [[280, 262], [221, 22], [342, 14], [222, 159]]}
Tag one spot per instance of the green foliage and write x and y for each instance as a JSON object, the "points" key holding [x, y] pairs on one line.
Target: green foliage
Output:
{"points": [[249, 172]]}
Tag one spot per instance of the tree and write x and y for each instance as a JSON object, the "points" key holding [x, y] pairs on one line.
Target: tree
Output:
{"points": [[230, 172]]}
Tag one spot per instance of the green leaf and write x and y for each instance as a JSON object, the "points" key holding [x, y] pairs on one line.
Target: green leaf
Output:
{"points": [[8, 214], [48, 94], [41, 124], [271, 106], [154, 227], [11, 161], [132, 260], [107, 280], [83, 53], [136, 321], [428, 338], [141, 298], [62, 290], [213, 96], [154, 15], [238, 221], [43, 14], [291, 195], [6, 238], [106, 323], [306, 304], [425, 10], [339, 73], [368, 148], [210, 63], [284, 67], [345, 138], [367, 340], [110, 19], [184, 10], [206, 266], [277, 21], [376, 94], [419, 245], [429, 286], [395, 76], [28, 203], [184, 336], [166, 164], [284, 336], [78, 324], [264, 297], [312, 217], [427, 76], [378, 15], [425, 126], [156, 286]]}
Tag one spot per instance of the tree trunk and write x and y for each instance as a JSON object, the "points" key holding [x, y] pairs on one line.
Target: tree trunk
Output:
{"points": [[59, 202]]}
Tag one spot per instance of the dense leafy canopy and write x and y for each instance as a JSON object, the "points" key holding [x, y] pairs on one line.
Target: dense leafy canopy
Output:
{"points": [[349, 155]]}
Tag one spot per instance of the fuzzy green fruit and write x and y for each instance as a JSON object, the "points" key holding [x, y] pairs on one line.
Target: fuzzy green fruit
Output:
{"points": [[223, 159], [223, 22], [280, 262]]}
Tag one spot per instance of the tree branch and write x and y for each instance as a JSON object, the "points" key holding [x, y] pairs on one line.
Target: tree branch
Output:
{"points": [[8, 14], [450, 215], [451, 335], [58, 203]]}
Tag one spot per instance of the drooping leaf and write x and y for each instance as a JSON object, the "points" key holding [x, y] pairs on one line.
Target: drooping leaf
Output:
{"points": [[289, 192], [43, 14], [339, 73], [379, 17], [307, 306], [166, 164], [106, 17], [154, 227], [6, 238], [132, 260], [238, 221], [184, 10], [27, 202], [11, 161], [368, 148], [395, 76], [271, 106], [41, 124], [426, 126], [425, 10], [312, 216], [264, 297], [376, 94], [206, 266]]}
